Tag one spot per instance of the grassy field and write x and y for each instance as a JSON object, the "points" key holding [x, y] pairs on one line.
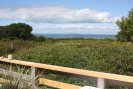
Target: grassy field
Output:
{"points": [[99, 55]]}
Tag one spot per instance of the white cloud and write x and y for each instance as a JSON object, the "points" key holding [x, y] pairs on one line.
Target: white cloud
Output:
{"points": [[75, 26], [54, 15], [80, 28]]}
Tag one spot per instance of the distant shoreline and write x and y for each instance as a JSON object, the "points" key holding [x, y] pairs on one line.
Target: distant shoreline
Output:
{"points": [[93, 36]]}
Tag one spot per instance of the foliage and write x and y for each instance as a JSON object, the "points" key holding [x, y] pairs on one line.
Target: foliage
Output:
{"points": [[99, 55], [107, 56], [18, 45], [38, 39], [126, 28], [16, 30], [20, 31]]}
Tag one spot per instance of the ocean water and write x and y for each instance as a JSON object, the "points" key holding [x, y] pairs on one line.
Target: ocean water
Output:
{"points": [[77, 36]]}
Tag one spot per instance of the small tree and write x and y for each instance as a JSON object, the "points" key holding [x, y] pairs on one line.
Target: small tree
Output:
{"points": [[16, 31], [126, 28], [20, 31]]}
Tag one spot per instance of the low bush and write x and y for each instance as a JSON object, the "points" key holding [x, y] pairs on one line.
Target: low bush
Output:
{"points": [[98, 55]]}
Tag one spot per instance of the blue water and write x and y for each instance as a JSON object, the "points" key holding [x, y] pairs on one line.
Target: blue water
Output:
{"points": [[77, 36]]}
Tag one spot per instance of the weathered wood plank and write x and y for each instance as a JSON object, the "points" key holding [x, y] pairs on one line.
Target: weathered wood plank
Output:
{"points": [[56, 84]]}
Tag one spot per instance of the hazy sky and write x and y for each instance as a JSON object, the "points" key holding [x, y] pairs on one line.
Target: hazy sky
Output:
{"points": [[66, 16]]}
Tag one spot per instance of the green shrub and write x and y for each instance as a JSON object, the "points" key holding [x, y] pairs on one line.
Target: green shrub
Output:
{"points": [[98, 55], [125, 25]]}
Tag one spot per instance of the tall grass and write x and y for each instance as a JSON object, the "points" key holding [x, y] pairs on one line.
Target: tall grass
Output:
{"points": [[18, 80], [7, 47]]}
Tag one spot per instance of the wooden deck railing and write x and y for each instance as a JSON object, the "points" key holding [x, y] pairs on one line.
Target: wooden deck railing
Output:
{"points": [[103, 79]]}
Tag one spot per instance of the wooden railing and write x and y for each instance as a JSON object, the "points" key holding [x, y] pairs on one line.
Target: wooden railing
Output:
{"points": [[103, 79]]}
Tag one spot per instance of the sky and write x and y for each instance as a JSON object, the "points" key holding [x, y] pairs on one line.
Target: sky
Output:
{"points": [[66, 16]]}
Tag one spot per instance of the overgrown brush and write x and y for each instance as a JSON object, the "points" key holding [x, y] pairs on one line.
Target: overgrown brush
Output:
{"points": [[7, 47]]}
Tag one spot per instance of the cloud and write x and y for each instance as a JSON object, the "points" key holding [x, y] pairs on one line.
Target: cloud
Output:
{"points": [[54, 15], [75, 26], [80, 28], [61, 20]]}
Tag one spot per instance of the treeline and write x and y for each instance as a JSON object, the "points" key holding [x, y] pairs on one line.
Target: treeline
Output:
{"points": [[20, 31]]}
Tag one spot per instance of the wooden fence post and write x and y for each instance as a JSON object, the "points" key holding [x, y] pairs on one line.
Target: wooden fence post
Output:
{"points": [[33, 72], [101, 83], [10, 57]]}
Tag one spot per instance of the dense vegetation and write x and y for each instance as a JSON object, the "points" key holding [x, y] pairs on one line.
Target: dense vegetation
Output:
{"points": [[13, 31], [126, 28], [8, 47], [18, 31], [100, 55], [114, 57]]}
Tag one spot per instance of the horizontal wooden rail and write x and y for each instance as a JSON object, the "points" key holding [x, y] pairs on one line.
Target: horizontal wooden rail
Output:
{"points": [[56, 84], [72, 70]]}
